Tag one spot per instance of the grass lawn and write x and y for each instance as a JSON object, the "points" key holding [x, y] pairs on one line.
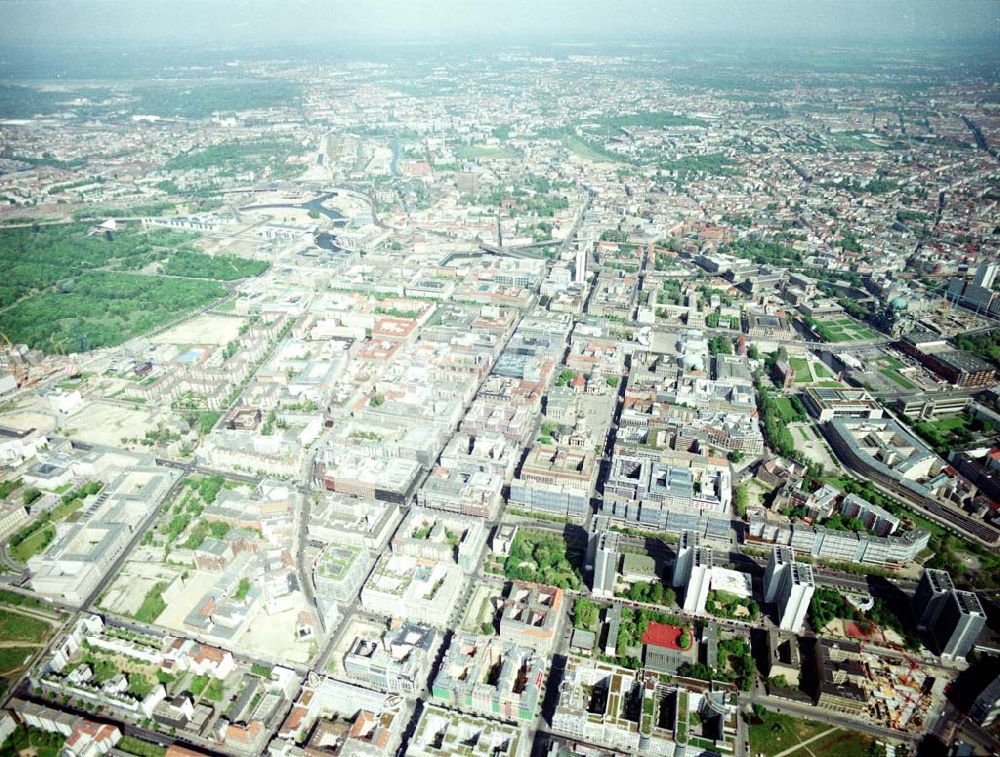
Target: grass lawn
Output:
{"points": [[776, 732], [892, 362], [785, 408], [470, 152], [578, 147], [804, 434], [841, 743], [844, 330], [152, 605], [830, 384], [801, 367], [13, 658], [822, 372], [103, 308], [897, 378], [950, 424], [851, 141], [34, 544], [17, 627]]}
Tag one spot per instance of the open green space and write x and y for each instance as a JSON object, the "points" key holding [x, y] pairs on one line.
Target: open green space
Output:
{"points": [[946, 434], [188, 97], [841, 743], [152, 605], [772, 733], [801, 367], [195, 265], [35, 537], [17, 627], [716, 164], [853, 141], [586, 615], [723, 604], [32, 741], [9, 486], [232, 158], [204, 529], [897, 378], [842, 330], [132, 745], [471, 152], [777, 412], [34, 544], [12, 659], [588, 151], [827, 604], [66, 291], [648, 120], [545, 558], [103, 309], [787, 410], [986, 346]]}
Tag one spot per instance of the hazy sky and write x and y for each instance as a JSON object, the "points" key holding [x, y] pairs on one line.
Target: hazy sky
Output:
{"points": [[944, 22]]}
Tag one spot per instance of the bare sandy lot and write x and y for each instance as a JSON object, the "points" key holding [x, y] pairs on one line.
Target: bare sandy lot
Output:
{"points": [[28, 416], [105, 423], [140, 574], [274, 635], [205, 329], [244, 246], [296, 216]]}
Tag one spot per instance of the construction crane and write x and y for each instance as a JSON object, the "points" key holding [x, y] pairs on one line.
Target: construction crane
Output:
{"points": [[908, 681], [13, 361]]}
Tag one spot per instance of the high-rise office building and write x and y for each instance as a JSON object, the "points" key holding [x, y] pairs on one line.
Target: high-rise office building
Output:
{"points": [[699, 579], [796, 592], [987, 705], [581, 264], [686, 545], [603, 552], [777, 566], [958, 625], [929, 598]]}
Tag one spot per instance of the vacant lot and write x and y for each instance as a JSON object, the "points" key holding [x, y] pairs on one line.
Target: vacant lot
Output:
{"points": [[106, 423], [205, 329]]}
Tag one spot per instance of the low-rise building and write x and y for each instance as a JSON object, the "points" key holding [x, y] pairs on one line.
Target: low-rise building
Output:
{"points": [[530, 615], [418, 589], [435, 535], [491, 677], [827, 404], [444, 733], [398, 662], [556, 480]]}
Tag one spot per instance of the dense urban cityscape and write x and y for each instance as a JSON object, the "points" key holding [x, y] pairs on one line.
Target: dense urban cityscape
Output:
{"points": [[551, 399]]}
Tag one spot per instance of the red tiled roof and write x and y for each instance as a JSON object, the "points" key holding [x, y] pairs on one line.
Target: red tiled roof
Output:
{"points": [[663, 635]]}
